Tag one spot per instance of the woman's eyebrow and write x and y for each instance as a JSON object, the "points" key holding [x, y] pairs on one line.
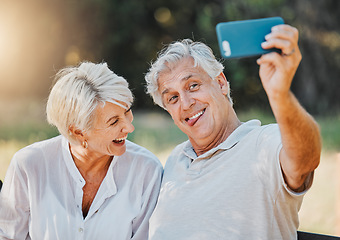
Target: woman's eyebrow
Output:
{"points": [[128, 109], [110, 119]]}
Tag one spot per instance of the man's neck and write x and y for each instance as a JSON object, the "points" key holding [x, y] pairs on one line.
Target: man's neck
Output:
{"points": [[220, 138]]}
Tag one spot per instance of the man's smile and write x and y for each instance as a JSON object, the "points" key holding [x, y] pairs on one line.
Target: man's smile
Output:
{"points": [[193, 119]]}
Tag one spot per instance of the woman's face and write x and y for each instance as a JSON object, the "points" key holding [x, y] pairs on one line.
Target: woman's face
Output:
{"points": [[111, 126]]}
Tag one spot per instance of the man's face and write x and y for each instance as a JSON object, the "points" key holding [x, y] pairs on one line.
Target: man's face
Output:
{"points": [[196, 102]]}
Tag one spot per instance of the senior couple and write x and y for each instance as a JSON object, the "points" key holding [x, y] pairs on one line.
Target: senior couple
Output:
{"points": [[230, 180]]}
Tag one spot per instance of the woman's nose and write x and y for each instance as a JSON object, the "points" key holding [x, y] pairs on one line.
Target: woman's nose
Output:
{"points": [[128, 127]]}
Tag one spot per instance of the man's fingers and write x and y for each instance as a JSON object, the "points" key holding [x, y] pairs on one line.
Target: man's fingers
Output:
{"points": [[285, 46], [285, 31], [272, 58], [283, 37]]}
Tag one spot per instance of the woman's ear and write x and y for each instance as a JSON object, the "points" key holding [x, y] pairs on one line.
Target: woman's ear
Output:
{"points": [[76, 132], [223, 82]]}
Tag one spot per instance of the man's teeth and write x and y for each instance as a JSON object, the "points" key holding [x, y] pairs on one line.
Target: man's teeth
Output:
{"points": [[196, 115]]}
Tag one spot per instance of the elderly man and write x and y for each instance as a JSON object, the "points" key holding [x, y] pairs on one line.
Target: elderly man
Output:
{"points": [[232, 180]]}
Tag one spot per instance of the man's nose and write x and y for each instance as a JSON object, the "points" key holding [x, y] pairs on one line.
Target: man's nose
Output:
{"points": [[187, 101]]}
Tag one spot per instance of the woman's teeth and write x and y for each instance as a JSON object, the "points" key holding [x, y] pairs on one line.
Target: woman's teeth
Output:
{"points": [[119, 140]]}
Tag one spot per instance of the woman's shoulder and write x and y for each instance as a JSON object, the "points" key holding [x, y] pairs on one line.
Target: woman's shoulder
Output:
{"points": [[43, 145], [141, 154], [38, 150]]}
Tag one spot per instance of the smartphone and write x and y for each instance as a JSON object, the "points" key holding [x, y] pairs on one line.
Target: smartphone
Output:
{"points": [[240, 39]]}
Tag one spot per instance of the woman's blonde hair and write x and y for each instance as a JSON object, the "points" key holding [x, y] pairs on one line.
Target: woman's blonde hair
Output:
{"points": [[77, 93]]}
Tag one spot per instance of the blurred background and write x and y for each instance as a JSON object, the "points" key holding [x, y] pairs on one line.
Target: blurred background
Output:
{"points": [[38, 37]]}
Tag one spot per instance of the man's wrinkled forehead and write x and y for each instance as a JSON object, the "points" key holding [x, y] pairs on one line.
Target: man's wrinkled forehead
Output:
{"points": [[164, 86], [179, 70], [169, 66]]}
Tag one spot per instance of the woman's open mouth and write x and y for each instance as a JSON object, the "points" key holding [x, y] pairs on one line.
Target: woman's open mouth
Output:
{"points": [[119, 140]]}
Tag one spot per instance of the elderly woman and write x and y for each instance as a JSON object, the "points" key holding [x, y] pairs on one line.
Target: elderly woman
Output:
{"points": [[89, 182]]}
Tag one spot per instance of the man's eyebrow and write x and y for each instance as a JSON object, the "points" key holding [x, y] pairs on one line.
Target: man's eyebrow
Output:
{"points": [[187, 77], [165, 92], [183, 79]]}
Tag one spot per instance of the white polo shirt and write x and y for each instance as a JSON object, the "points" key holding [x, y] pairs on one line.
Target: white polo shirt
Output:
{"points": [[234, 191], [42, 195]]}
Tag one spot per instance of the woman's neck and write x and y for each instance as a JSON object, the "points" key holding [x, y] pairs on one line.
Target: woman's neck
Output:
{"points": [[89, 163]]}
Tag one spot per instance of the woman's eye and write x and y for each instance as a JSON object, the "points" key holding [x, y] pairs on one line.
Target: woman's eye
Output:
{"points": [[114, 122]]}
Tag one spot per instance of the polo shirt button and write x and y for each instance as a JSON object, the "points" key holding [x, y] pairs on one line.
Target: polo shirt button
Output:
{"points": [[80, 230]]}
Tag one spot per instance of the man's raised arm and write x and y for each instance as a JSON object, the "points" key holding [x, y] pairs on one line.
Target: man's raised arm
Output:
{"points": [[300, 133]]}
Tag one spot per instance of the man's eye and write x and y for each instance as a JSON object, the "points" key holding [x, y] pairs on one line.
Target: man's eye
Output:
{"points": [[193, 86], [172, 99]]}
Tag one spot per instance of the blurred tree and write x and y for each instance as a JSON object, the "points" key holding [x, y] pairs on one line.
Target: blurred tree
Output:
{"points": [[318, 78], [128, 34]]}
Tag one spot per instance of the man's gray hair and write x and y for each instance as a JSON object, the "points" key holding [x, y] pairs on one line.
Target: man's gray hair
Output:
{"points": [[171, 55], [77, 93]]}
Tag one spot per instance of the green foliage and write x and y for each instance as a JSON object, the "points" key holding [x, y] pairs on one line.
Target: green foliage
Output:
{"points": [[128, 34]]}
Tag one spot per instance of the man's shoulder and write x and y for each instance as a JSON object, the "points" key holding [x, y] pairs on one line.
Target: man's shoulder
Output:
{"points": [[177, 154], [269, 131], [256, 129], [178, 150]]}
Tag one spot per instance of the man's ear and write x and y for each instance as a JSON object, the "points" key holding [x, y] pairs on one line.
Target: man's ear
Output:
{"points": [[223, 82]]}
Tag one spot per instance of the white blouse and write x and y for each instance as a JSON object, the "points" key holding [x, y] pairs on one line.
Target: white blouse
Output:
{"points": [[42, 195]]}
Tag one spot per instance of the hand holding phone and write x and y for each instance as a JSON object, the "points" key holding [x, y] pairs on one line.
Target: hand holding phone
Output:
{"points": [[239, 39]]}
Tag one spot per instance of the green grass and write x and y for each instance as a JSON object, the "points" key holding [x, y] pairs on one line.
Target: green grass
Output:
{"points": [[27, 133], [264, 117]]}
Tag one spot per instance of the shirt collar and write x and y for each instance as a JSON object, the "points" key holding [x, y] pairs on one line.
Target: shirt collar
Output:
{"points": [[109, 179], [71, 166], [235, 137]]}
